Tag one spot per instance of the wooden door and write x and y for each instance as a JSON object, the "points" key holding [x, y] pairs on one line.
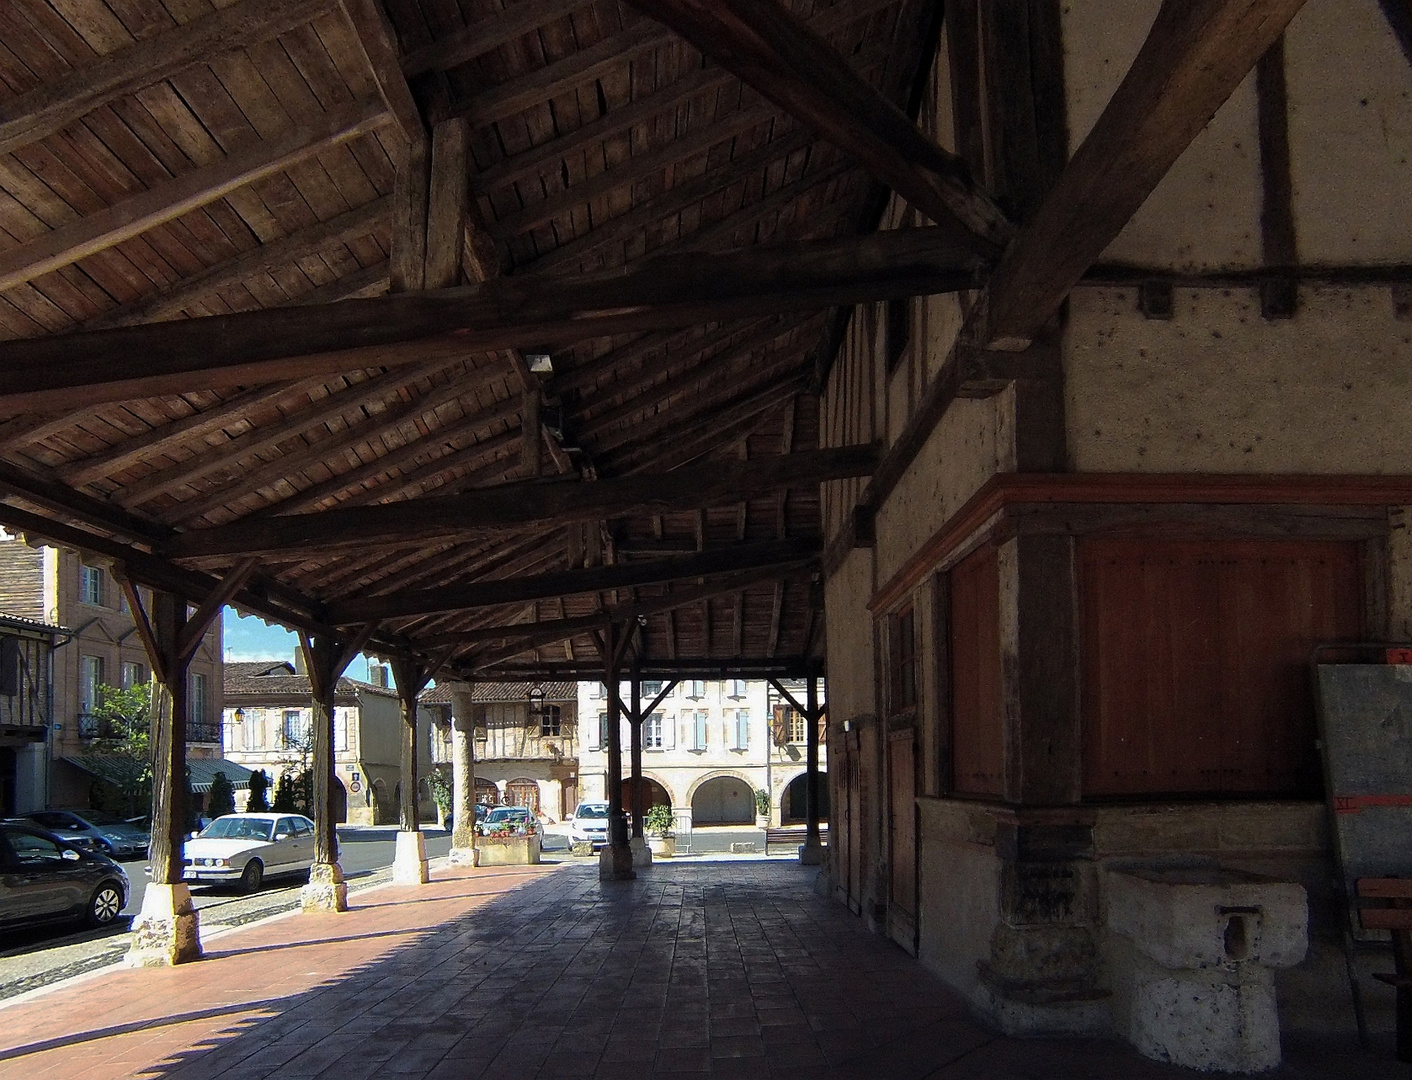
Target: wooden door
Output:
{"points": [[851, 832], [569, 797], [902, 838]]}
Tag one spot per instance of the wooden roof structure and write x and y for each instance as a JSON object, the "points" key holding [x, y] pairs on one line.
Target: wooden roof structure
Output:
{"points": [[470, 326]]}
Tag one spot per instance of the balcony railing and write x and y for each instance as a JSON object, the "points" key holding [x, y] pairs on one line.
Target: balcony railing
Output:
{"points": [[203, 731], [197, 731]]}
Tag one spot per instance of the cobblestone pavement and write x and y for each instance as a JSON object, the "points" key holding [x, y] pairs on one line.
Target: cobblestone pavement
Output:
{"points": [[726, 969]]}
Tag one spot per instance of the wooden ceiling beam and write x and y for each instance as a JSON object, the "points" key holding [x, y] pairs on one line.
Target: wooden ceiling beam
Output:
{"points": [[53, 106], [371, 280], [378, 43], [1195, 55], [75, 371], [530, 502], [487, 35], [273, 255], [136, 214], [573, 582], [737, 422], [779, 55]]}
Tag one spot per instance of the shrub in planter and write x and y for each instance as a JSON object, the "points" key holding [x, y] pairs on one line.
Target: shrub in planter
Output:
{"points": [[762, 803], [659, 821]]}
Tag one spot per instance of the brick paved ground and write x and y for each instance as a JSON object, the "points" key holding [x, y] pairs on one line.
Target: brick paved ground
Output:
{"points": [[730, 969]]}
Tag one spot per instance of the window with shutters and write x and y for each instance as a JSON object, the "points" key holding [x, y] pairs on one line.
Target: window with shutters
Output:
{"points": [[696, 729], [735, 688], [292, 728], [977, 730], [551, 721], [696, 689], [1195, 654], [651, 689], [90, 584], [132, 675], [742, 729], [652, 732], [798, 727]]}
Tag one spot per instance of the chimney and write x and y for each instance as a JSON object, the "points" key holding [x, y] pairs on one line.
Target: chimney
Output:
{"points": [[299, 668], [377, 674]]}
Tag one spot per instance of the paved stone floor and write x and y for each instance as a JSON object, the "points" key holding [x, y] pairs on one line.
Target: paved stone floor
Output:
{"points": [[726, 969]]}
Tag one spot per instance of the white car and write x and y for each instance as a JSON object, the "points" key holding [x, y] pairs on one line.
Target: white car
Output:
{"points": [[247, 848], [590, 824]]}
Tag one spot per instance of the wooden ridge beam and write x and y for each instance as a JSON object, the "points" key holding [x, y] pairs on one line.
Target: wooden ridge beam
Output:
{"points": [[73, 371], [572, 582], [778, 54], [30, 116], [313, 240], [136, 214], [519, 504], [1195, 55]]}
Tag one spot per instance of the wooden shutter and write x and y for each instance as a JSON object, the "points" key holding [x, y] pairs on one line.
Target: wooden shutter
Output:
{"points": [[977, 731]]}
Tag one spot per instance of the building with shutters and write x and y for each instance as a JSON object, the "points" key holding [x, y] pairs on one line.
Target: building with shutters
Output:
{"points": [[56, 586], [526, 751], [707, 749]]}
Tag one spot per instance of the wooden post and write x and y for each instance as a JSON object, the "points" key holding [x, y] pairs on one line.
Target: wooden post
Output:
{"points": [[325, 659], [409, 862], [811, 854], [636, 785], [615, 863]]}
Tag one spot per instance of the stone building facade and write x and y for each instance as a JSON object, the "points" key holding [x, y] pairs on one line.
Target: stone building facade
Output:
{"points": [[520, 759], [267, 716], [707, 749], [1069, 632], [58, 587]]}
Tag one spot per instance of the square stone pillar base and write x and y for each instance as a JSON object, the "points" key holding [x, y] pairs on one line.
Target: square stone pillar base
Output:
{"points": [[167, 930], [615, 863], [641, 854], [409, 863], [463, 856], [326, 890], [811, 854]]}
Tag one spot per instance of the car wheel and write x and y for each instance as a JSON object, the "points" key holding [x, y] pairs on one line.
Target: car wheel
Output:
{"points": [[106, 904], [252, 878]]}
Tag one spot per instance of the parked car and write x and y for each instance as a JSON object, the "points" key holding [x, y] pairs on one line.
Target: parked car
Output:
{"points": [[502, 816], [96, 830], [45, 879], [481, 810], [244, 849], [590, 824]]}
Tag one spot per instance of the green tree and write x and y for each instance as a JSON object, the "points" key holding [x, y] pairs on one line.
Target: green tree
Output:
{"points": [[285, 794], [439, 780], [124, 730], [221, 798], [259, 784]]}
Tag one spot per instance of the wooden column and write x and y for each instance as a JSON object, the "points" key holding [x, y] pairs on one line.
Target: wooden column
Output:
{"points": [[811, 782], [635, 719], [409, 863], [463, 776], [615, 863], [325, 659]]}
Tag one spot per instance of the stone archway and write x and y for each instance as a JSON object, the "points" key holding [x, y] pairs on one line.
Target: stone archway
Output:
{"points": [[723, 800], [486, 792], [653, 794], [793, 810]]}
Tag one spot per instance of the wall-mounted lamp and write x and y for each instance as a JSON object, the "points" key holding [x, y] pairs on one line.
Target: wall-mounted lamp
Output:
{"points": [[536, 701], [238, 716]]}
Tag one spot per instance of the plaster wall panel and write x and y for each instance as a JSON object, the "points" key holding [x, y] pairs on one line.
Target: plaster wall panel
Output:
{"points": [[1350, 99], [959, 896], [1218, 389], [1205, 213], [850, 637], [968, 447]]}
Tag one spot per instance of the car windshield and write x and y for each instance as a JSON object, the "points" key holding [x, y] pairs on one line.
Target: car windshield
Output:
{"points": [[237, 828], [507, 813], [592, 810], [100, 817]]}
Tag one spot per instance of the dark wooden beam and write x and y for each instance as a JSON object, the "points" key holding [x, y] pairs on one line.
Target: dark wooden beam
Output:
{"points": [[54, 105], [572, 582], [76, 371], [780, 56], [378, 43], [1195, 55], [487, 35], [518, 504], [137, 213]]}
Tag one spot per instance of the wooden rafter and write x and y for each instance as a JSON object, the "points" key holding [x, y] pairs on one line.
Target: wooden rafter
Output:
{"points": [[378, 43], [519, 504], [136, 214], [79, 370], [779, 55], [1196, 54]]}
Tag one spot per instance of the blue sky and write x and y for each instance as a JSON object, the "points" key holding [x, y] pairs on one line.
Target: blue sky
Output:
{"points": [[251, 638]]}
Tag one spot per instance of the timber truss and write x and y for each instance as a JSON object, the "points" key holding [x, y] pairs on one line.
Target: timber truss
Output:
{"points": [[478, 331]]}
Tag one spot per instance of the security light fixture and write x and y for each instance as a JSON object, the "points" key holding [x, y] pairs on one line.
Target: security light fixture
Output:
{"points": [[540, 363]]}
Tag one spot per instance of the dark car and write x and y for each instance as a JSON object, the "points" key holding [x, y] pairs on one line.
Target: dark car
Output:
{"points": [[105, 833], [45, 879]]}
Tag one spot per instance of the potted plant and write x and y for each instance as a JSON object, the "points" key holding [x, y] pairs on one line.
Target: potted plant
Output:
{"points": [[661, 841], [762, 809]]}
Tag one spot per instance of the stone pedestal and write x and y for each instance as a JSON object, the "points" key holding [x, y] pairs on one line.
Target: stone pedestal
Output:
{"points": [[463, 856], [811, 854], [409, 862], [326, 890], [508, 851], [641, 854], [1197, 973], [167, 930], [615, 863]]}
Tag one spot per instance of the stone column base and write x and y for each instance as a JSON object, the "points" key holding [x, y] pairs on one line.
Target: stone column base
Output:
{"points": [[326, 890], [811, 854], [463, 856], [409, 863], [615, 863], [167, 930], [641, 854]]}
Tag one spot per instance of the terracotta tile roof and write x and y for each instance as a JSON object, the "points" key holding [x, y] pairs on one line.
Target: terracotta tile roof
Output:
{"points": [[487, 693], [276, 678]]}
